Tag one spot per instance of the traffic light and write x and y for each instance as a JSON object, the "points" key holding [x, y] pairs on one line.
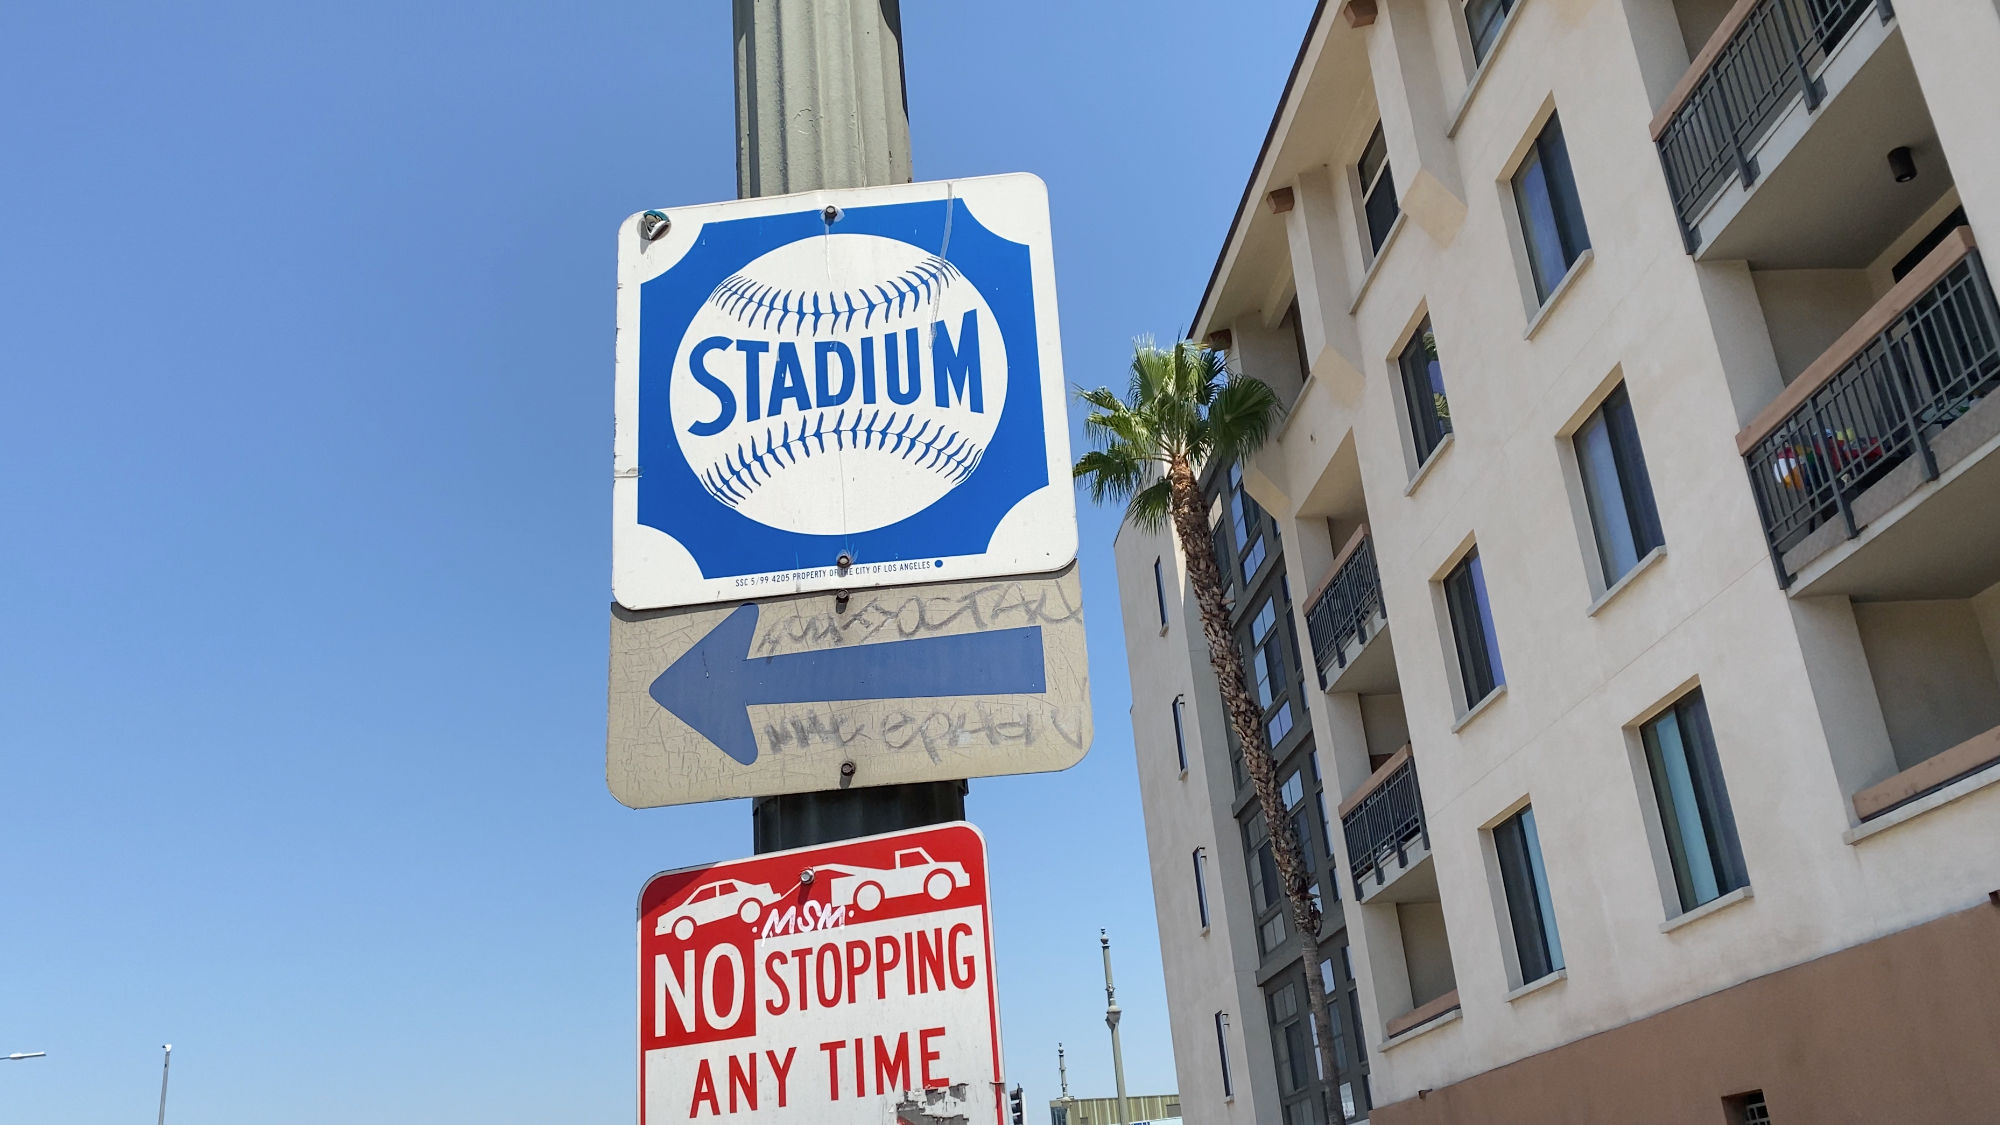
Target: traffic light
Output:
{"points": [[1014, 1105]]}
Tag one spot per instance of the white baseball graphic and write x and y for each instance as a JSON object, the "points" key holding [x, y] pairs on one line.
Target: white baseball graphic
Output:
{"points": [[866, 396]]}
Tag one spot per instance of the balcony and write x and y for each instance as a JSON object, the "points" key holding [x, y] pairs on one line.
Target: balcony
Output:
{"points": [[1348, 625], [1898, 405], [1777, 110], [1395, 885], [1383, 821]]}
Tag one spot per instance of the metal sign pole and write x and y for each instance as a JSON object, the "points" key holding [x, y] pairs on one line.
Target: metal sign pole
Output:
{"points": [[820, 103]]}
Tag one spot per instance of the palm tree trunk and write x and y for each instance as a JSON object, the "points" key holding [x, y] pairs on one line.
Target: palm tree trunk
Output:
{"points": [[1246, 718]]}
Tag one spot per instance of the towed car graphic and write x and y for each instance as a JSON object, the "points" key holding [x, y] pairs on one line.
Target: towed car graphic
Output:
{"points": [[915, 873], [714, 901]]}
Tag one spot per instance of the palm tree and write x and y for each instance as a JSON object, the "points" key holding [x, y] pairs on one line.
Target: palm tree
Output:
{"points": [[1185, 409]]}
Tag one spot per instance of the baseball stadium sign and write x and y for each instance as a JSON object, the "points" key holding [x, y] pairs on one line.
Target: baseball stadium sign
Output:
{"points": [[839, 389]]}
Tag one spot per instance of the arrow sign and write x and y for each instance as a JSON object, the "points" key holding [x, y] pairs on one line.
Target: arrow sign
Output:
{"points": [[712, 685], [886, 685]]}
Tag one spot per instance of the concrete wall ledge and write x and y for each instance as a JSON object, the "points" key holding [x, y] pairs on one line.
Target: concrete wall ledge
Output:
{"points": [[1409, 1021], [1931, 774]]}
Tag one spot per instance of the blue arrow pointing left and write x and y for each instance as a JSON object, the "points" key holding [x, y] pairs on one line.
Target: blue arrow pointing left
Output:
{"points": [[712, 684]]}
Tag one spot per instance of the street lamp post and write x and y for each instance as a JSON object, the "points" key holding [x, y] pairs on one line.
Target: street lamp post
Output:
{"points": [[166, 1063], [1068, 1103], [1111, 1014]]}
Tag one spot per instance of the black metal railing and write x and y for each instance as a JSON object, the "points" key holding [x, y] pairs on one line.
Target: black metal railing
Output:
{"points": [[1384, 825], [1885, 404], [1773, 55], [1344, 609]]}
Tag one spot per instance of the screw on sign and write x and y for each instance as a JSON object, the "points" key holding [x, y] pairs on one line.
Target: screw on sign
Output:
{"points": [[841, 983]]}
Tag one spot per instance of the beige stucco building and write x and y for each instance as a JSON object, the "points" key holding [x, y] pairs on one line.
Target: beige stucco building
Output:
{"points": [[1633, 537]]}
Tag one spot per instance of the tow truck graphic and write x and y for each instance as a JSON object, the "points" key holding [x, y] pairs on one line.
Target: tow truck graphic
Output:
{"points": [[915, 873]]}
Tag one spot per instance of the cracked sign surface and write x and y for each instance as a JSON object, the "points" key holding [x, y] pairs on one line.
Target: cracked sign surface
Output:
{"points": [[911, 683], [863, 993]]}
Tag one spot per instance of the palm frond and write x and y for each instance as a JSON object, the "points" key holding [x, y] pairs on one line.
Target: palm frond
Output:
{"points": [[1182, 405], [1151, 506], [1119, 426], [1240, 417], [1101, 398], [1115, 474]]}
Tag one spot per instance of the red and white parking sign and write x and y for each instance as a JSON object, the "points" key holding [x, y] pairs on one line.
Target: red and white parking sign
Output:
{"points": [[849, 982]]}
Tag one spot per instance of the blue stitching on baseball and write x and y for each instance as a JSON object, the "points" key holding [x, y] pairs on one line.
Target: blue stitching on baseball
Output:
{"points": [[932, 446], [758, 305]]}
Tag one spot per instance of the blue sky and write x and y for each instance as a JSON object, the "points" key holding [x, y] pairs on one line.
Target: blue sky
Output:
{"points": [[305, 378]]}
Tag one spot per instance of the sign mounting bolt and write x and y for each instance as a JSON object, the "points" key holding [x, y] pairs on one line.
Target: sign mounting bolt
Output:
{"points": [[847, 769], [654, 224], [844, 561], [831, 214]]}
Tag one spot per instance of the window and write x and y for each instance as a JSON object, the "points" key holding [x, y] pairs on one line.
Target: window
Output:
{"points": [[1302, 832], [1201, 884], [1268, 666], [1180, 731], [1221, 540], [1267, 660], [1160, 590], [1748, 1109], [1248, 521], [1293, 790], [1527, 887], [1288, 1039], [1551, 213], [1298, 329], [1280, 724], [1472, 627], [1694, 806], [1620, 495], [1378, 190], [1483, 19], [1423, 391], [1263, 867], [1331, 986], [1222, 1053], [1350, 1054], [1266, 892]]}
